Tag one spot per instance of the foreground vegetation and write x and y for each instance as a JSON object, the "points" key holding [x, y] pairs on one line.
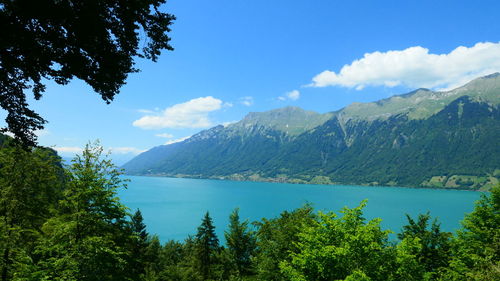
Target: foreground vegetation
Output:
{"points": [[67, 223]]}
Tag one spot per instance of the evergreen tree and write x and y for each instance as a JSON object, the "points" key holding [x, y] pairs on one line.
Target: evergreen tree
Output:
{"points": [[171, 257], [241, 243], [153, 262], [138, 227], [207, 245], [189, 263], [139, 260]]}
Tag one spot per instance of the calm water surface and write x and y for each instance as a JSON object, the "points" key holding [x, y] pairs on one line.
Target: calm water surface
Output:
{"points": [[173, 207]]}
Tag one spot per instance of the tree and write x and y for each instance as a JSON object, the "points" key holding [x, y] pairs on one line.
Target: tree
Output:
{"points": [[435, 245], [278, 237], [207, 245], [139, 245], [172, 255], [153, 266], [31, 184], [93, 40], [241, 243], [407, 263], [139, 228], [89, 238], [476, 249], [339, 248]]}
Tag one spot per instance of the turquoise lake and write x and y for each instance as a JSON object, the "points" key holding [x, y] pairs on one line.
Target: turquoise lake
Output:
{"points": [[173, 207]]}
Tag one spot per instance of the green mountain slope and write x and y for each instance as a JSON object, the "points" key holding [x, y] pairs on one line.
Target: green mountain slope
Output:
{"points": [[423, 138], [423, 103], [461, 139]]}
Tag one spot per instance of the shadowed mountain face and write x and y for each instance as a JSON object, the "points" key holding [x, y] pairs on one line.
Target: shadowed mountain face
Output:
{"points": [[423, 138]]}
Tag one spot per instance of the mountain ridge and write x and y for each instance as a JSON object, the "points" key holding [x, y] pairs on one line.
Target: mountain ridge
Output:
{"points": [[422, 103], [295, 145]]}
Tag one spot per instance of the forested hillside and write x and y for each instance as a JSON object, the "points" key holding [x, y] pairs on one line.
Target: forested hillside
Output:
{"points": [[423, 138]]}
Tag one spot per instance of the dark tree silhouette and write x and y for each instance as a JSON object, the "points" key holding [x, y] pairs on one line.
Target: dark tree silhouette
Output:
{"points": [[96, 41]]}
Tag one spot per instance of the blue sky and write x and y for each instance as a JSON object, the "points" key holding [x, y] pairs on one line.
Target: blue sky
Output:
{"points": [[232, 57]]}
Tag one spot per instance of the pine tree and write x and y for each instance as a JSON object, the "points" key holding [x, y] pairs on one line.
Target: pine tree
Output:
{"points": [[153, 259], [207, 245], [241, 243], [139, 245]]}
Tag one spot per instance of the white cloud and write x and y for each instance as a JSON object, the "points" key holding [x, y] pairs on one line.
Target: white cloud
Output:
{"points": [[146, 111], [126, 150], [293, 95], [68, 149], [177, 140], [248, 101], [190, 114], [114, 150], [165, 135], [415, 67], [227, 104]]}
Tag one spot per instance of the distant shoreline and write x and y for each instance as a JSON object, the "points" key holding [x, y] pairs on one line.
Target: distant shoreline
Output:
{"points": [[303, 183]]}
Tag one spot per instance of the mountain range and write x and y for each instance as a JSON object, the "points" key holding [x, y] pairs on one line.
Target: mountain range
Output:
{"points": [[442, 139]]}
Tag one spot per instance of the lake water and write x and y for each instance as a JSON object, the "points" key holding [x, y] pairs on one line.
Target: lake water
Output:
{"points": [[173, 207]]}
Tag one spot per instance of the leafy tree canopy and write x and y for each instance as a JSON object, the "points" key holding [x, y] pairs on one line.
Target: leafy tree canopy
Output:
{"points": [[334, 247], [93, 40], [434, 244], [477, 245]]}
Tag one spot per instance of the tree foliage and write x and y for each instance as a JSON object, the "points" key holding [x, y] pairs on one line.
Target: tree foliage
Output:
{"points": [[140, 242], [89, 236], [207, 246], [67, 223], [277, 238], [94, 41], [31, 184], [422, 253], [476, 248], [241, 243], [334, 248]]}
